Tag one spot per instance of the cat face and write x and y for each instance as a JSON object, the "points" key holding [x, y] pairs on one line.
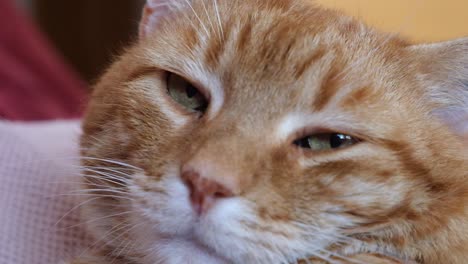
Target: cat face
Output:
{"points": [[267, 132]]}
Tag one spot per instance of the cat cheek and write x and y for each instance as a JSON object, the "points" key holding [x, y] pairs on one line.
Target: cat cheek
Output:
{"points": [[375, 198]]}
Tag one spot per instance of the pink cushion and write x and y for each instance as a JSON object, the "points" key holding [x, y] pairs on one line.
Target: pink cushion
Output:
{"points": [[38, 176]]}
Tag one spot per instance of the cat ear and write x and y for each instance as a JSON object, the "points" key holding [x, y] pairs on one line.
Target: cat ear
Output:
{"points": [[154, 11], [444, 69]]}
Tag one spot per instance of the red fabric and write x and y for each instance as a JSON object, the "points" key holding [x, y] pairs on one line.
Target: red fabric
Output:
{"points": [[34, 83]]}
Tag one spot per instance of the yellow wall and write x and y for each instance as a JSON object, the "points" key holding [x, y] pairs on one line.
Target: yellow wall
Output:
{"points": [[421, 20]]}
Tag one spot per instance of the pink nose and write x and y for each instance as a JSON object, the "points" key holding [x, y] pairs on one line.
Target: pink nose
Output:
{"points": [[203, 192]]}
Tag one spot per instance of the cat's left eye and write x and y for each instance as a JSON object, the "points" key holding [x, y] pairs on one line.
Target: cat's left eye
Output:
{"points": [[185, 94], [326, 141]]}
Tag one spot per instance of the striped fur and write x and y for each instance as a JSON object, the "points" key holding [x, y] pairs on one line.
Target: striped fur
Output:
{"points": [[276, 70]]}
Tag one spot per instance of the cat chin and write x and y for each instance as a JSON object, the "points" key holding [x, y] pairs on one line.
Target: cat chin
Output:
{"points": [[182, 251], [173, 248]]}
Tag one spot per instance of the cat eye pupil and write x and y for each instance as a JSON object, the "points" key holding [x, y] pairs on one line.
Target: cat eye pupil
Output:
{"points": [[186, 94], [336, 140], [191, 91], [326, 141], [303, 143]]}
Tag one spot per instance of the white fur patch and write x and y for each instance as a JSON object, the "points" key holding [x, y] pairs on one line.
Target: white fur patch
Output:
{"points": [[294, 122], [289, 125], [183, 251], [178, 120], [150, 86]]}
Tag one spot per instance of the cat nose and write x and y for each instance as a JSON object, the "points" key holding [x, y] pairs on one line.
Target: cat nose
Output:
{"points": [[203, 191]]}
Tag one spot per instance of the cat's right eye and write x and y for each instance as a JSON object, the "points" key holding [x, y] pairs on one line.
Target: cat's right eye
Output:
{"points": [[326, 141], [186, 94]]}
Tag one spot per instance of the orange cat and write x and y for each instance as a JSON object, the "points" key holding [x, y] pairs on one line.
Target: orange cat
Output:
{"points": [[274, 131]]}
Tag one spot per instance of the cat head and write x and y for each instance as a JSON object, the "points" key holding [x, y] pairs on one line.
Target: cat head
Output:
{"points": [[271, 131]]}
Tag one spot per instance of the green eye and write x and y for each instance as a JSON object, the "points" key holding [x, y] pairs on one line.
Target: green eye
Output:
{"points": [[185, 94], [326, 141]]}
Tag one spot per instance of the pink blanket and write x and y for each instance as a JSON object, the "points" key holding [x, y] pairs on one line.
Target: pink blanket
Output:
{"points": [[39, 221]]}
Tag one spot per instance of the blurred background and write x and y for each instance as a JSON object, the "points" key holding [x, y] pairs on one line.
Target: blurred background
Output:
{"points": [[420, 20], [86, 32], [89, 32], [78, 39]]}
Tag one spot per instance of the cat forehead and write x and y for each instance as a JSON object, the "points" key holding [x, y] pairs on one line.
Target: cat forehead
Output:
{"points": [[259, 39], [291, 55]]}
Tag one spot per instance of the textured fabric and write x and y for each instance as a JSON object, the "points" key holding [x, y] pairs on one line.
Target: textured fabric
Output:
{"points": [[39, 219], [35, 84]]}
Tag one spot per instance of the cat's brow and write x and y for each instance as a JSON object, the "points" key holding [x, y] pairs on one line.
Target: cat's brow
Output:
{"points": [[141, 72], [292, 123], [327, 90]]}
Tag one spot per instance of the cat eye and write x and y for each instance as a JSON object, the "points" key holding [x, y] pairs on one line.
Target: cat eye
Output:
{"points": [[326, 141], [185, 94]]}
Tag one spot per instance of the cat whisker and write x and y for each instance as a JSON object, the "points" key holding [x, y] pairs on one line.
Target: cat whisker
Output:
{"points": [[342, 241], [105, 237], [218, 16], [88, 184], [96, 169], [95, 195], [318, 253], [112, 169], [94, 191], [305, 231], [340, 256], [124, 248], [123, 164], [74, 208], [208, 17], [337, 239], [108, 178], [133, 247], [196, 15], [128, 172], [307, 227], [104, 175], [121, 235], [89, 180], [114, 254], [97, 219]]}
